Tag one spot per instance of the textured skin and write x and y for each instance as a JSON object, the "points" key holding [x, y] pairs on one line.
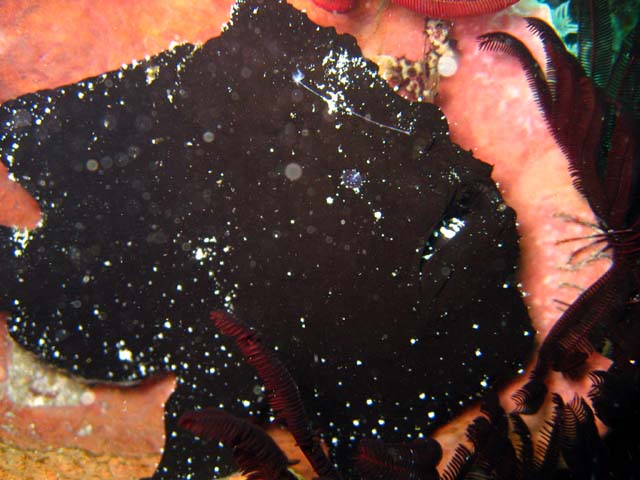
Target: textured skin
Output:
{"points": [[161, 193]]}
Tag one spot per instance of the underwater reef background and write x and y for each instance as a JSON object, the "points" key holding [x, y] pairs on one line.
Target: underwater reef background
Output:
{"points": [[516, 141]]}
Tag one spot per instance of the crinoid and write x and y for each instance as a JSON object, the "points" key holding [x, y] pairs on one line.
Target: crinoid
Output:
{"points": [[259, 457], [501, 445], [593, 116], [254, 451], [282, 392]]}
